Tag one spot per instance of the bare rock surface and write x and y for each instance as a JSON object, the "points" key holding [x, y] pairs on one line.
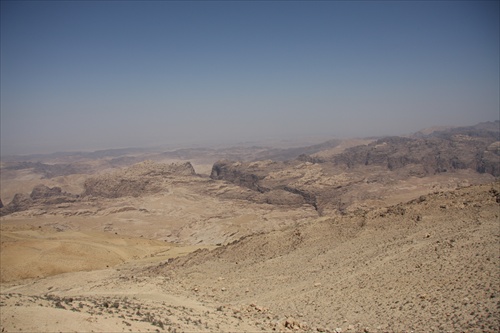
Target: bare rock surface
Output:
{"points": [[330, 188], [435, 155], [41, 196], [142, 178]]}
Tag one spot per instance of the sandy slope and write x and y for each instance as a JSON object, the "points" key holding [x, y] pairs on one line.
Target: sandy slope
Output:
{"points": [[432, 264], [111, 300], [40, 252]]}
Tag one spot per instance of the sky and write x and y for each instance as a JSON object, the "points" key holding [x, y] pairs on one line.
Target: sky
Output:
{"points": [[88, 75]]}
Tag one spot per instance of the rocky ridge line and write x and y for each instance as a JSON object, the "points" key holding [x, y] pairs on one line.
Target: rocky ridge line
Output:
{"points": [[142, 178]]}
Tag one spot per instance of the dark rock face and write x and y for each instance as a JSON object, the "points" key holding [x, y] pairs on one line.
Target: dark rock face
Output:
{"points": [[490, 159], [41, 195], [309, 198], [1, 203], [474, 147], [20, 202], [253, 176], [435, 154], [232, 172], [42, 191], [310, 159]]}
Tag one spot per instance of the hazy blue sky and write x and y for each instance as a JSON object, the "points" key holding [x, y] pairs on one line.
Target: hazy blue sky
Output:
{"points": [[89, 75]]}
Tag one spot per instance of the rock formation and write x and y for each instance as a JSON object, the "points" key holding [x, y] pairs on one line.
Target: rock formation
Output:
{"points": [[232, 172], [434, 154], [43, 192], [474, 147], [142, 178], [336, 182], [41, 196]]}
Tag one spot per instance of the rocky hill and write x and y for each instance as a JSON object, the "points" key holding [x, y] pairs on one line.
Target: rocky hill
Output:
{"points": [[434, 155], [41, 197], [430, 264], [330, 188], [144, 178], [373, 173], [140, 179]]}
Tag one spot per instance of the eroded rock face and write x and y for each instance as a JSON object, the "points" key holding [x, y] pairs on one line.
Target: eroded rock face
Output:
{"points": [[257, 176], [283, 198], [367, 173], [42, 191], [41, 195], [435, 154], [236, 174], [19, 202], [142, 178]]}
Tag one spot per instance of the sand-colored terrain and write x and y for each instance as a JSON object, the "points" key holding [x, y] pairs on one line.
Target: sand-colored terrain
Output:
{"points": [[358, 236], [431, 264], [36, 252]]}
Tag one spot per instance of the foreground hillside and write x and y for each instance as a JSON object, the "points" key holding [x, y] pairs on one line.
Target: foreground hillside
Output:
{"points": [[431, 264]]}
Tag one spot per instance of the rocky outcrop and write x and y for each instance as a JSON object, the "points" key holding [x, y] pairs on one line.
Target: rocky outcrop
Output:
{"points": [[283, 198], [366, 173], [309, 158], [256, 176], [41, 195], [20, 202], [490, 159], [238, 173], [142, 178], [309, 198], [434, 154], [43, 192]]}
